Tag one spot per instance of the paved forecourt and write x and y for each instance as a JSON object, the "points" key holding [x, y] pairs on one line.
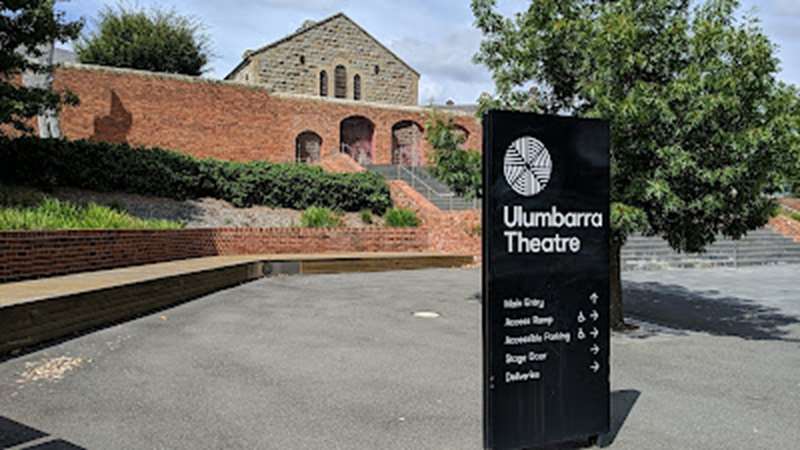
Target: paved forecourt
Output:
{"points": [[341, 362]]}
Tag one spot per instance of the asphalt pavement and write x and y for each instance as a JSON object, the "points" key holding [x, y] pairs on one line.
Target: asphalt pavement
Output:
{"points": [[341, 362]]}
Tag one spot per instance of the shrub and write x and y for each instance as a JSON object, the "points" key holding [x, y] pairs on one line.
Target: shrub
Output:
{"points": [[20, 197], [52, 214], [458, 168], [366, 217], [401, 217], [795, 216], [316, 217], [158, 40], [100, 166]]}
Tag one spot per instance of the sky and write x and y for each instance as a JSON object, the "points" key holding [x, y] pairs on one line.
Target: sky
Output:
{"points": [[436, 37]]}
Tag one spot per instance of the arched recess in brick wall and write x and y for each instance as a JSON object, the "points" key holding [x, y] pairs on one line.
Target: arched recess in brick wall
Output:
{"points": [[356, 137], [407, 138], [308, 146], [458, 129]]}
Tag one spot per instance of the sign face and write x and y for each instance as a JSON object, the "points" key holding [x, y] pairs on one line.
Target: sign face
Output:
{"points": [[545, 279]]}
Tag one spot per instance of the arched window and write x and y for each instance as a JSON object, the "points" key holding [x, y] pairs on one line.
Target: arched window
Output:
{"points": [[323, 84], [357, 87], [340, 82]]}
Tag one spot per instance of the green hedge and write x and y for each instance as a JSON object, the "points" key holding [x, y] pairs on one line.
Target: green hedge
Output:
{"points": [[98, 166]]}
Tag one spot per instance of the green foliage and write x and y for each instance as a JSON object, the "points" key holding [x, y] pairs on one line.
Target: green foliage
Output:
{"points": [[316, 217], [52, 214], [458, 168], [29, 26], [401, 217], [476, 230], [366, 217], [700, 128], [20, 197], [795, 216], [47, 163], [626, 220], [157, 40]]}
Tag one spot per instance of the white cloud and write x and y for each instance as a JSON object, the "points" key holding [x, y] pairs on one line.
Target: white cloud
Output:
{"points": [[786, 7], [445, 65], [449, 57], [300, 5]]}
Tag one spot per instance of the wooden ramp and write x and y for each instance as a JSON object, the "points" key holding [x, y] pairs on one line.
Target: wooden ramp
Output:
{"points": [[37, 311]]}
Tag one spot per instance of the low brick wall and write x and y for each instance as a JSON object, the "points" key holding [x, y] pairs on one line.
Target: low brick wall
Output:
{"points": [[786, 226], [448, 231], [27, 255], [246, 241]]}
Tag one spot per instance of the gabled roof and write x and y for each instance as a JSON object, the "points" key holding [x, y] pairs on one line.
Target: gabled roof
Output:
{"points": [[311, 27]]}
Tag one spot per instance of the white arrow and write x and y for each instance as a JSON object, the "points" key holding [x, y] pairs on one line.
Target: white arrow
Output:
{"points": [[581, 334], [595, 332], [595, 349], [594, 298], [595, 367], [594, 315], [581, 317]]}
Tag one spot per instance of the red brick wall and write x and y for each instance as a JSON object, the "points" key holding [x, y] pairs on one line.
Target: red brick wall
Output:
{"points": [[25, 255], [786, 226], [455, 232], [340, 163], [217, 119]]}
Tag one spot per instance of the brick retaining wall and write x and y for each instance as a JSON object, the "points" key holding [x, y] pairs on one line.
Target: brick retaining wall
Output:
{"points": [[786, 226], [220, 119], [26, 255]]}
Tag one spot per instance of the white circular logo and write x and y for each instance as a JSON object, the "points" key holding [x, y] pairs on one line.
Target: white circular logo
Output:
{"points": [[527, 166]]}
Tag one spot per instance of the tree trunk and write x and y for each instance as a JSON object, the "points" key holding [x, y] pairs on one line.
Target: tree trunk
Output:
{"points": [[617, 318]]}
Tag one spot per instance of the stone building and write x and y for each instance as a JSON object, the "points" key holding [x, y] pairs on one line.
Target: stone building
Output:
{"points": [[335, 58]]}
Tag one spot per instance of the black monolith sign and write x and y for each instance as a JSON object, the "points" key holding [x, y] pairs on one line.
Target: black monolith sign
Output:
{"points": [[545, 279]]}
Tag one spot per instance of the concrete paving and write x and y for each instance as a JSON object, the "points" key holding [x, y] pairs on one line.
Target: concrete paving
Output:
{"points": [[340, 362]]}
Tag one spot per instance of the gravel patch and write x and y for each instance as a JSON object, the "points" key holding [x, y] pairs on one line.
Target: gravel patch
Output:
{"points": [[199, 213], [49, 369]]}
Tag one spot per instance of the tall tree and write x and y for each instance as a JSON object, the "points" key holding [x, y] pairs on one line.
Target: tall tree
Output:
{"points": [[700, 127], [156, 40], [28, 29]]}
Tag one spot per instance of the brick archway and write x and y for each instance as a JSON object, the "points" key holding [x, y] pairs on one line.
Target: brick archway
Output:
{"points": [[356, 137], [461, 130], [308, 147], [407, 143]]}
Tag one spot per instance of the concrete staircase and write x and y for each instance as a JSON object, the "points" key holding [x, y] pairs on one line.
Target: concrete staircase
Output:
{"points": [[763, 246], [423, 182]]}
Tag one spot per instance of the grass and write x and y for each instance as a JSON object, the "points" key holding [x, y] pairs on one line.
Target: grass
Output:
{"points": [[366, 217], [401, 217], [52, 214], [315, 217], [795, 216]]}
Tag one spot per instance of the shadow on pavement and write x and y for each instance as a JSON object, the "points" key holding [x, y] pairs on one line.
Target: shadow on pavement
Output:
{"points": [[681, 308], [621, 405], [13, 433]]}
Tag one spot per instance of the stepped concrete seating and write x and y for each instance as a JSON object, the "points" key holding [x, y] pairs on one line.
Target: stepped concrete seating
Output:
{"points": [[426, 184], [759, 247]]}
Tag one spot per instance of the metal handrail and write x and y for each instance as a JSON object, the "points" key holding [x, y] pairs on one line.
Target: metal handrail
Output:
{"points": [[415, 177]]}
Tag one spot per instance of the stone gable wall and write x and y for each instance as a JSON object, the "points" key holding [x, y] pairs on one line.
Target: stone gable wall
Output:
{"points": [[336, 42]]}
